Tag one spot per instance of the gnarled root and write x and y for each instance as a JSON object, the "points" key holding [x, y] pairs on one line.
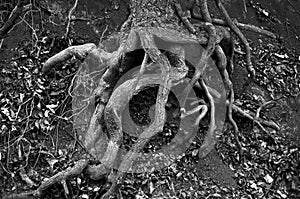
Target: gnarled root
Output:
{"points": [[79, 52], [57, 178], [114, 67]]}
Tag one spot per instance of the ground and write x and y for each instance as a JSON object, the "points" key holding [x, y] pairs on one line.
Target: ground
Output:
{"points": [[38, 142]]}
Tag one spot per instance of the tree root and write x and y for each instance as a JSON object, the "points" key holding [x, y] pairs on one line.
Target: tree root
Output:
{"points": [[111, 103], [26, 179], [57, 178], [210, 139], [156, 56], [237, 31], [80, 52], [243, 26], [251, 116]]}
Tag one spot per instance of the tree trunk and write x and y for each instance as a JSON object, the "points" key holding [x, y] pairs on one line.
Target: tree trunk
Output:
{"points": [[163, 38]]}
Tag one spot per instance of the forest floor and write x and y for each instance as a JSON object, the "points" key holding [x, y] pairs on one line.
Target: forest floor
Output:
{"points": [[35, 140]]}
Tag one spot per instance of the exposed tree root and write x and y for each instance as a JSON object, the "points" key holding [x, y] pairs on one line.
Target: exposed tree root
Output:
{"points": [[57, 178], [79, 52], [243, 26], [210, 139], [237, 31], [111, 103], [251, 116]]}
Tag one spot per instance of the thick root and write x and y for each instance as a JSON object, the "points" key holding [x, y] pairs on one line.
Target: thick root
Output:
{"points": [[79, 52]]}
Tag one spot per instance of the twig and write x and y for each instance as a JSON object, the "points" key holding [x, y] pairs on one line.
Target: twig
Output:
{"points": [[70, 19], [102, 35], [243, 26], [1, 42]]}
